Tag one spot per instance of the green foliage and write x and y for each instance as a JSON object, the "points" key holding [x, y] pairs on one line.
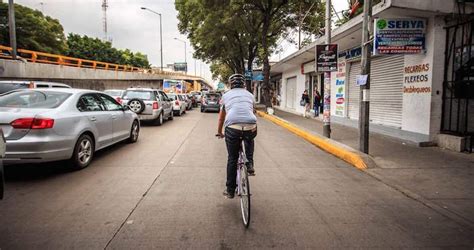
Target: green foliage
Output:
{"points": [[95, 49], [37, 32], [34, 31]]}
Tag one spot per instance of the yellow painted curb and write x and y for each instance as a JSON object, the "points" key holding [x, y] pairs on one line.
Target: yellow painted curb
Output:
{"points": [[320, 142]]}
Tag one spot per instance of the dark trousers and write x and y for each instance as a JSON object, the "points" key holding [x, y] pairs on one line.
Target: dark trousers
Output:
{"points": [[233, 140]]}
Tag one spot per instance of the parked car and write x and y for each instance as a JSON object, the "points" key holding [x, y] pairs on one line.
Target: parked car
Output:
{"points": [[149, 104], [189, 102], [193, 100], [2, 154], [43, 125], [197, 95], [6, 86], [210, 102], [179, 104], [115, 93]]}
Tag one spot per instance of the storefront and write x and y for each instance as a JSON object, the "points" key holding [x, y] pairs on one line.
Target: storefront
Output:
{"points": [[406, 93]]}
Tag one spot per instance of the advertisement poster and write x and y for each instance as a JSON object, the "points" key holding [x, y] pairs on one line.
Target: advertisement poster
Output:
{"points": [[339, 85], [399, 36], [174, 86], [326, 58]]}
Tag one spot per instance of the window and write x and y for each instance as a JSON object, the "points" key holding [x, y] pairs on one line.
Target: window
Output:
{"points": [[110, 103], [172, 97], [33, 99], [6, 86], [89, 103], [164, 96], [42, 86], [143, 95]]}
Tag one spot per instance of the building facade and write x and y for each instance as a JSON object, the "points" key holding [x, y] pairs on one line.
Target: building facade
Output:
{"points": [[424, 96]]}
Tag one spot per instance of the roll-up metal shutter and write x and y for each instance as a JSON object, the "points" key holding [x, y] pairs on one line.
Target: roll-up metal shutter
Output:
{"points": [[354, 91], [386, 95]]}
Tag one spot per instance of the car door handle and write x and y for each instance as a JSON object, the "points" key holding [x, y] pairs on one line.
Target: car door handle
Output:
{"points": [[114, 117], [93, 118]]}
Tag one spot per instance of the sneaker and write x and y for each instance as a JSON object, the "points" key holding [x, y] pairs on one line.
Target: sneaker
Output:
{"points": [[228, 195], [250, 169]]}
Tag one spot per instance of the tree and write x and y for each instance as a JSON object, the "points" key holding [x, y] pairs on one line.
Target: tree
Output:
{"points": [[34, 31], [95, 49], [277, 18], [220, 33]]}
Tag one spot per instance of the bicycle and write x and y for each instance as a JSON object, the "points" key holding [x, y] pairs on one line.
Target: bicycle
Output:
{"points": [[243, 185]]}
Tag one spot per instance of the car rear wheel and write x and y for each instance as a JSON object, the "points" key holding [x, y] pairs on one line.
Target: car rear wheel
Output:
{"points": [[134, 132], [171, 115], [159, 120], [83, 152]]}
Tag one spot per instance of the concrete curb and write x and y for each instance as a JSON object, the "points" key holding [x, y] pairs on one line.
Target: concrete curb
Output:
{"points": [[347, 154]]}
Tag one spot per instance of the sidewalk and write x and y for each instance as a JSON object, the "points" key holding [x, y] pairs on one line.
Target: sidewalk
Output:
{"points": [[439, 178]]}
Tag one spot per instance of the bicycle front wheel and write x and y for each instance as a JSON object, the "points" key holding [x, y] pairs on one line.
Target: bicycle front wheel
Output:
{"points": [[245, 195]]}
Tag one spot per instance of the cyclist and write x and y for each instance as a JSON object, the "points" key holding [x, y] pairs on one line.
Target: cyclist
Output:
{"points": [[237, 115]]}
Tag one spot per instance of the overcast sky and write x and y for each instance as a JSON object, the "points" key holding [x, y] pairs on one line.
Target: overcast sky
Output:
{"points": [[132, 28]]}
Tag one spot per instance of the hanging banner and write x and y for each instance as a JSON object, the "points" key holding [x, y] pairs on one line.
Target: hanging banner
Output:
{"points": [[174, 86], [399, 36], [326, 58], [338, 85]]}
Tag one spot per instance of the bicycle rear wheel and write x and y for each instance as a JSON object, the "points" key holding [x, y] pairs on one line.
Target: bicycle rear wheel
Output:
{"points": [[244, 195]]}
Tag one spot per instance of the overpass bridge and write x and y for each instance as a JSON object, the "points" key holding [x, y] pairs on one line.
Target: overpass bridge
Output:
{"points": [[80, 73]]}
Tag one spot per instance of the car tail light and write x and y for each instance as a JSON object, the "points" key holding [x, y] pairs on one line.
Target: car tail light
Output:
{"points": [[32, 123], [176, 103], [155, 105], [119, 100]]}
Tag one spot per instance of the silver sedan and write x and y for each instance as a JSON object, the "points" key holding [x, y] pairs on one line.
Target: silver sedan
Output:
{"points": [[62, 124]]}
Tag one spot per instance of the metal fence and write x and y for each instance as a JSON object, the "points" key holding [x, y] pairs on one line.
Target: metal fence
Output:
{"points": [[41, 57], [458, 85]]}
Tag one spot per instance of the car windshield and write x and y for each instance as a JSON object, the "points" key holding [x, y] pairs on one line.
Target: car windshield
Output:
{"points": [[132, 94], [6, 86], [113, 92], [33, 99]]}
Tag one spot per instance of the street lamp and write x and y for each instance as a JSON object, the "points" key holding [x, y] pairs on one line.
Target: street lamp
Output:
{"points": [[161, 35], [185, 61]]}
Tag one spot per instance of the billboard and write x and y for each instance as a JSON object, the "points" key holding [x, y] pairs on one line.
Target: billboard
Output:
{"points": [[399, 36], [180, 67], [174, 86], [326, 58]]}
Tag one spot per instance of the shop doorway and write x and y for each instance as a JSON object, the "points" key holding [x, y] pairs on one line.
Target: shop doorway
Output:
{"points": [[290, 92]]}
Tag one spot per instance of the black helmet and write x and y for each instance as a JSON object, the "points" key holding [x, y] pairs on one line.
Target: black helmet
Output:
{"points": [[237, 81]]}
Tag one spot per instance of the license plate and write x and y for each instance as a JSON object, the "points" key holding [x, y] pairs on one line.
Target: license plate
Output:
{"points": [[212, 102]]}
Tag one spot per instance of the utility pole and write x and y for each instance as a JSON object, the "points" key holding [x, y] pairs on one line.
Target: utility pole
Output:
{"points": [[364, 97], [12, 27], [327, 79], [105, 5]]}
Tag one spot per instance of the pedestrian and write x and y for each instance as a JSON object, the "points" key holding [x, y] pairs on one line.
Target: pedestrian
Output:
{"points": [[305, 102], [317, 102]]}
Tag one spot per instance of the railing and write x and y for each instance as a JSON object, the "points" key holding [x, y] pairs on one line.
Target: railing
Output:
{"points": [[41, 57]]}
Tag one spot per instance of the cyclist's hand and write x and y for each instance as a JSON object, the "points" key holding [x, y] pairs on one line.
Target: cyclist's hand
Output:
{"points": [[220, 136]]}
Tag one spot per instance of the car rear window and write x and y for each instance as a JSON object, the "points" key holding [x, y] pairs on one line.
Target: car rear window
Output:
{"points": [[113, 92], [171, 96], [33, 99], [5, 87], [143, 95], [212, 97]]}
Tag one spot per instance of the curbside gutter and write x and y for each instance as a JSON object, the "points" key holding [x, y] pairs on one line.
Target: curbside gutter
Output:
{"points": [[349, 155]]}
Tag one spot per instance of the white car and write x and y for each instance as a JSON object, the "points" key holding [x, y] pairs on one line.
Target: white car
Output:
{"points": [[6, 86], [3, 145], [179, 103], [116, 93]]}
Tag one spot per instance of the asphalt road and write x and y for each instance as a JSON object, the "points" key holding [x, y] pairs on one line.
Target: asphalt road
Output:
{"points": [[166, 192]]}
